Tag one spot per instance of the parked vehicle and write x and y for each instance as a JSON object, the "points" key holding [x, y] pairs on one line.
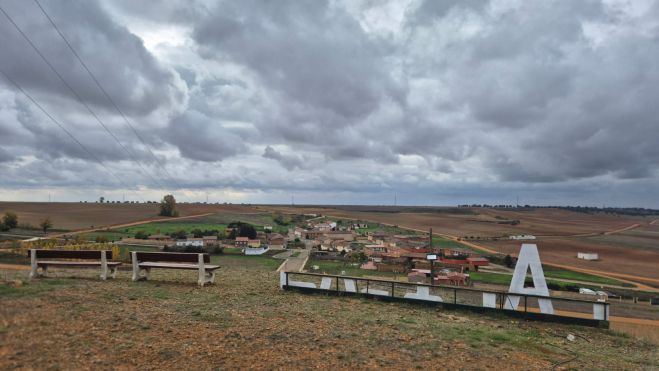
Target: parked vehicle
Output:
{"points": [[586, 291], [612, 295]]}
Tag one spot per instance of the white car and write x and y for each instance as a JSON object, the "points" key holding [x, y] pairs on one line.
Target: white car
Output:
{"points": [[586, 291]]}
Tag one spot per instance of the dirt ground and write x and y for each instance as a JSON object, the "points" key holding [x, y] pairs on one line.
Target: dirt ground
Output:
{"points": [[72, 216], [245, 321]]}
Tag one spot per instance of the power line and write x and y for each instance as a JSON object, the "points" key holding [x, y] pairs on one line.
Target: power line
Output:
{"points": [[79, 98], [98, 84], [90, 153]]}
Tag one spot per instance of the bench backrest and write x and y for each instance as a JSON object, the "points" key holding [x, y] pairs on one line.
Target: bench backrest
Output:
{"points": [[71, 254], [179, 257]]}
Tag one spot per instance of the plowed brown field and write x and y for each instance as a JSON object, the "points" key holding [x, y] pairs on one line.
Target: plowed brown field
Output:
{"points": [[72, 216]]}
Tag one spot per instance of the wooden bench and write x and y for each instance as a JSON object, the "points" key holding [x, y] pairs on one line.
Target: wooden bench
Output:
{"points": [[92, 258], [143, 262]]}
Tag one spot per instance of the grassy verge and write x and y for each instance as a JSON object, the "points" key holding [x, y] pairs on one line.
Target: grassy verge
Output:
{"points": [[10, 290], [337, 267], [578, 276], [13, 258], [246, 321], [255, 262], [504, 279]]}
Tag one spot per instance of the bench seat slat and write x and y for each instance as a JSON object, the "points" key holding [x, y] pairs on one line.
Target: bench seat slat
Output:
{"points": [[74, 264], [208, 267]]}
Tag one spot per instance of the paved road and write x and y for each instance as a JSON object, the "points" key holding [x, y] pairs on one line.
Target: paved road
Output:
{"points": [[295, 264]]}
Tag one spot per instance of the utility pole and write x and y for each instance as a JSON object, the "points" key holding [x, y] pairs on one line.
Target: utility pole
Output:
{"points": [[395, 199], [430, 239]]}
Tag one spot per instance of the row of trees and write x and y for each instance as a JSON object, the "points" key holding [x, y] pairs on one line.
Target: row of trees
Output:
{"points": [[10, 221]]}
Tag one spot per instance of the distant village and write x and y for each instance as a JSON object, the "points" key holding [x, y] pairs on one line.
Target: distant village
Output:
{"points": [[354, 242]]}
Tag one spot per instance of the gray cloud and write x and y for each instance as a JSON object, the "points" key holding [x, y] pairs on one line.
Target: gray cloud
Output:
{"points": [[138, 84], [480, 98], [200, 138], [289, 162]]}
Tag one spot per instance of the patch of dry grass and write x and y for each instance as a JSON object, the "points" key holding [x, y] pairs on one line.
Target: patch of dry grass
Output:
{"points": [[245, 321]]}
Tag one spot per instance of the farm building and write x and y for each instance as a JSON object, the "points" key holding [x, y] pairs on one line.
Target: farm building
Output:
{"points": [[588, 256], [198, 242], [522, 237]]}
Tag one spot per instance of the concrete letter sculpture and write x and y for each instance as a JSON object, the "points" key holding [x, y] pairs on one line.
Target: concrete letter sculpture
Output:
{"points": [[529, 257]]}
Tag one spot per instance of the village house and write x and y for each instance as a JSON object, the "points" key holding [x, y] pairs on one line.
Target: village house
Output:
{"points": [[312, 235], [276, 241], [210, 240], [340, 235], [241, 241], [253, 243], [159, 237]]}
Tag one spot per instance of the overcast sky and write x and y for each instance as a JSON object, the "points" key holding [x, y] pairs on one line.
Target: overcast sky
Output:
{"points": [[436, 102]]}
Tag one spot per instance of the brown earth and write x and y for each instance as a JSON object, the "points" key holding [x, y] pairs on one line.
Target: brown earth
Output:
{"points": [[73, 216], [613, 259], [540, 222]]}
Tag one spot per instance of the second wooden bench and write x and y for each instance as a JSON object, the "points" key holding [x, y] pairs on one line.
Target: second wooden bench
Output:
{"points": [[143, 262]]}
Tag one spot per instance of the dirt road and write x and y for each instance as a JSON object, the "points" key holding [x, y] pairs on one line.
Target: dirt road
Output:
{"points": [[622, 229]]}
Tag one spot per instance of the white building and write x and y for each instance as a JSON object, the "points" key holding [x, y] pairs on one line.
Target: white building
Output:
{"points": [[198, 242], [327, 226], [522, 237], [588, 256]]}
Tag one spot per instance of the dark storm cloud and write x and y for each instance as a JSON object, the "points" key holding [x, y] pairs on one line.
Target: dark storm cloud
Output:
{"points": [[5, 156], [201, 138], [127, 71], [289, 162], [317, 56], [470, 97]]}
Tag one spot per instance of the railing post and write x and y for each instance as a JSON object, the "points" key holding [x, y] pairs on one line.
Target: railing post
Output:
{"points": [[337, 283], [455, 296], [367, 284], [392, 288], [286, 273], [525, 306]]}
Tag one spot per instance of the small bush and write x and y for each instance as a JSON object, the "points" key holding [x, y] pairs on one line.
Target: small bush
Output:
{"points": [[194, 249], [141, 235]]}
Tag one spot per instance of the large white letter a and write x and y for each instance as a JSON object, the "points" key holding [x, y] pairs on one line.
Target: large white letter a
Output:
{"points": [[529, 258]]}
